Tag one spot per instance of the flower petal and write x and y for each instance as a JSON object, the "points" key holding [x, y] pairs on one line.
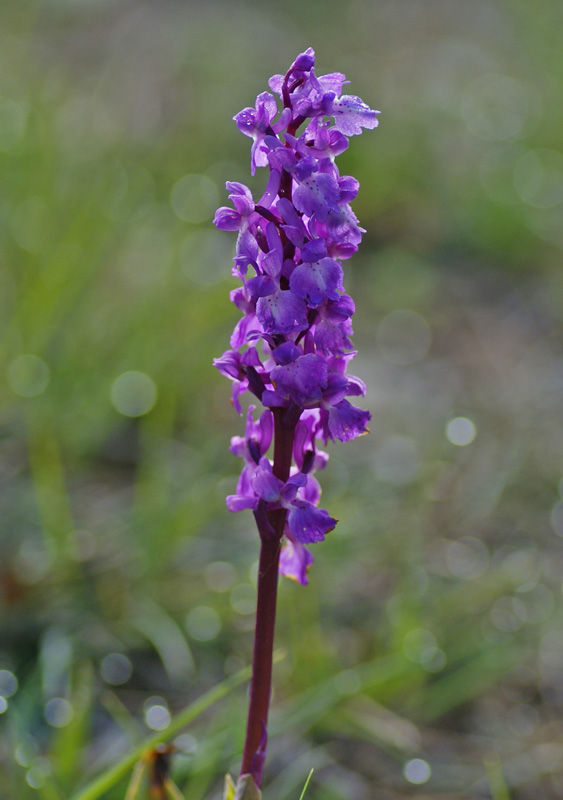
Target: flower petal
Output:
{"points": [[295, 561], [351, 114], [317, 282], [282, 312], [309, 524], [265, 483]]}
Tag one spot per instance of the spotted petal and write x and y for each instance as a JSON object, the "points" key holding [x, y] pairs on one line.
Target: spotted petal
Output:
{"points": [[351, 114], [282, 312], [317, 282]]}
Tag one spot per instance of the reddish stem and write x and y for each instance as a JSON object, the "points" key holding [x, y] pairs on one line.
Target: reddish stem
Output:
{"points": [[260, 687]]}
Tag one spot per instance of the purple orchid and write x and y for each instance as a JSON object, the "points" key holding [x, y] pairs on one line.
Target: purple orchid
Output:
{"points": [[294, 239], [292, 346]]}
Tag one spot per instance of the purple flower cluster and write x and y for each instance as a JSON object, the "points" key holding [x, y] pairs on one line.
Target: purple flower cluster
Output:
{"points": [[292, 346]]}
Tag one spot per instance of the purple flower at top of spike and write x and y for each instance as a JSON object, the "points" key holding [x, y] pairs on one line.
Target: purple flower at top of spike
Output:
{"points": [[257, 123], [351, 114], [292, 346]]}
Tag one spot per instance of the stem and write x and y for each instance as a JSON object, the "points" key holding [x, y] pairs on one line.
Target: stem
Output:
{"points": [[260, 687]]}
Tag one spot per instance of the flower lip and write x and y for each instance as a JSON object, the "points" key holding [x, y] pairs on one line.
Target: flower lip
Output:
{"points": [[309, 524], [302, 380]]}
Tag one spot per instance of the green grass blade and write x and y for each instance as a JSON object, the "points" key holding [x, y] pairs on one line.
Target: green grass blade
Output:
{"points": [[103, 782], [495, 776], [306, 784]]}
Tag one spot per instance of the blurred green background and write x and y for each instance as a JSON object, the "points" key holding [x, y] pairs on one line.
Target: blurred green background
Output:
{"points": [[425, 659]]}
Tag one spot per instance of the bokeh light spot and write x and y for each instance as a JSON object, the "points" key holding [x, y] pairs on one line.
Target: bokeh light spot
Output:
{"points": [[26, 752], [434, 660], [347, 682], [206, 256], [28, 375], [203, 623], [116, 669], [535, 605], [133, 394], [538, 178], [35, 777], [461, 431], [194, 198], [496, 172], [186, 744], [467, 558], [420, 646], [220, 576], [157, 716], [32, 562], [503, 615], [417, 771], [58, 712], [3, 705], [403, 337], [8, 683], [243, 598]]}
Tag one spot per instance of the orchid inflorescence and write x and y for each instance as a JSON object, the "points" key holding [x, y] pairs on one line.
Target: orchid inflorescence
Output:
{"points": [[289, 248], [292, 346]]}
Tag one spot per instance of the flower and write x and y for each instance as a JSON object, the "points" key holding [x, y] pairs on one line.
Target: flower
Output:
{"points": [[292, 346], [305, 522]]}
